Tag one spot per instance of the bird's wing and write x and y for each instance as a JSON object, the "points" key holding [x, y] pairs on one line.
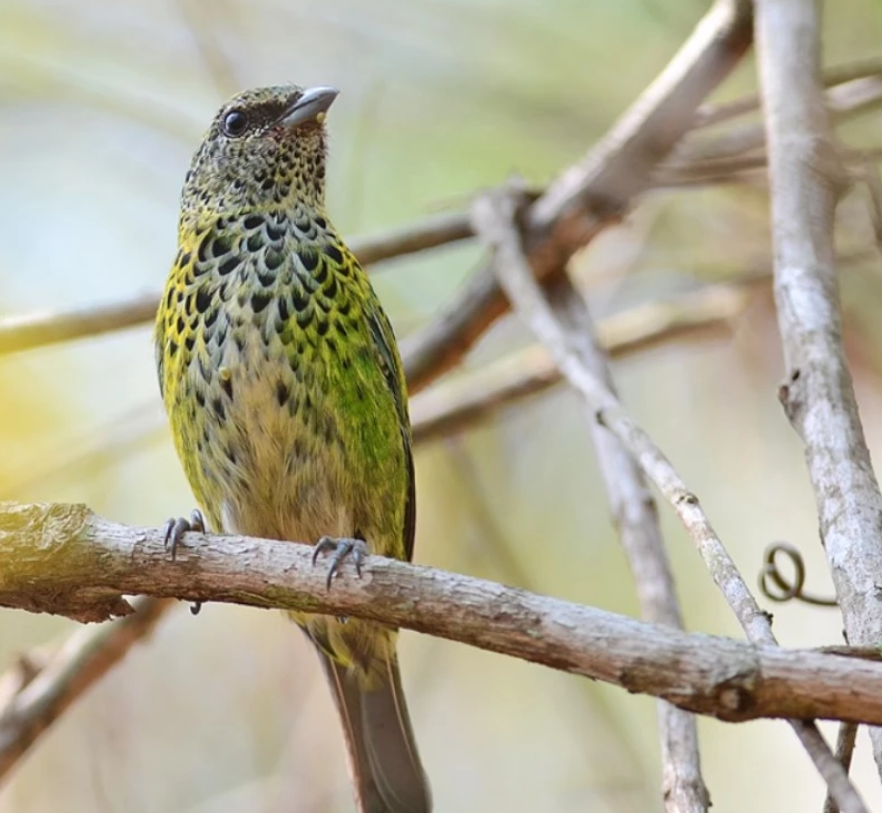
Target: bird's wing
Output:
{"points": [[385, 346]]}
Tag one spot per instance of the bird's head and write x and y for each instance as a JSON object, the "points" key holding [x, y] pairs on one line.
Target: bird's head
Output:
{"points": [[265, 149]]}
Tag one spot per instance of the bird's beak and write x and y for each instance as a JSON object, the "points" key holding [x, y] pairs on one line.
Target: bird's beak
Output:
{"points": [[311, 105]]}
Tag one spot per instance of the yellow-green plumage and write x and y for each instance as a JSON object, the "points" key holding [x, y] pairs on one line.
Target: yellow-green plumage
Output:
{"points": [[286, 396]]}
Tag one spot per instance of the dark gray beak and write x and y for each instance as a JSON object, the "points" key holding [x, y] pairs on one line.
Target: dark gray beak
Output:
{"points": [[312, 103]]}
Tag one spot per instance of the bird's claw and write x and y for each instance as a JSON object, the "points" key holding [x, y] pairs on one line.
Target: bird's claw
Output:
{"points": [[342, 547], [175, 528]]}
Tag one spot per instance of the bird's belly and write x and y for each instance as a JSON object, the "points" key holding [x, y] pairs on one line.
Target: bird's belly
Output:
{"points": [[271, 450]]}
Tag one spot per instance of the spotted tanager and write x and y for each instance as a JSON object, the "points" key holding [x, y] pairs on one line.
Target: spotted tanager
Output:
{"points": [[287, 401]]}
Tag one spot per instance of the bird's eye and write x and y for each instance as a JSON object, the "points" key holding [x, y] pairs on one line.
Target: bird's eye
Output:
{"points": [[235, 123]]}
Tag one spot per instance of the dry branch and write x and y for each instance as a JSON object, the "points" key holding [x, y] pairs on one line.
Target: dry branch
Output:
{"points": [[64, 559], [806, 177], [635, 515], [597, 191], [496, 219]]}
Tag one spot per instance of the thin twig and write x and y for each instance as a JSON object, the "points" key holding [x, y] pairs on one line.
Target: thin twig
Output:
{"points": [[495, 219], [844, 751], [806, 177], [709, 115], [843, 101], [635, 514], [36, 694]]}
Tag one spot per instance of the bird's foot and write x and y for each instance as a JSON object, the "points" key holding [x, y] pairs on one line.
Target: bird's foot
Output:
{"points": [[175, 528], [343, 547]]}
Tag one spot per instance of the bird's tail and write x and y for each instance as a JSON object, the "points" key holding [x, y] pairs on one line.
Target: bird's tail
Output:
{"points": [[382, 753]]}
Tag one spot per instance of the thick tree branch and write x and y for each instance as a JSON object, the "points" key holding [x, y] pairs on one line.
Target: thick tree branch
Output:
{"points": [[496, 217], [64, 559], [806, 177]]}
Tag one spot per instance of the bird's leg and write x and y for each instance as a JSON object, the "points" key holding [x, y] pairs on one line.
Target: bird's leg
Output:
{"points": [[175, 528], [342, 546]]}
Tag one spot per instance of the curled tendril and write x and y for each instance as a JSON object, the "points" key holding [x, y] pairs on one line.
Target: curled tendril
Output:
{"points": [[776, 586]]}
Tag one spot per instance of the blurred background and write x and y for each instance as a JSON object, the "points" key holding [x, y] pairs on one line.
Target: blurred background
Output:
{"points": [[101, 106]]}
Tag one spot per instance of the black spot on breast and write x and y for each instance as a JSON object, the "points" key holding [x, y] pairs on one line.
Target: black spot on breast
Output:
{"points": [[321, 274], [323, 326], [190, 342], [227, 386], [203, 300], [304, 318], [341, 328], [266, 280], [256, 241], [228, 266], [275, 232], [252, 222], [321, 223], [259, 302], [239, 341], [300, 300], [283, 309], [309, 259], [282, 393], [211, 318], [231, 455], [334, 253], [273, 259], [181, 325], [183, 258], [170, 297], [222, 245], [332, 346], [218, 406], [202, 251], [200, 399], [344, 307], [172, 347]]}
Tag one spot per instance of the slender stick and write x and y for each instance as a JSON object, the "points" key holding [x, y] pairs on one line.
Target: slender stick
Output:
{"points": [[636, 517]]}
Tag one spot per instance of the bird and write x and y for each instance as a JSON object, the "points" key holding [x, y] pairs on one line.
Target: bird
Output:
{"points": [[287, 402]]}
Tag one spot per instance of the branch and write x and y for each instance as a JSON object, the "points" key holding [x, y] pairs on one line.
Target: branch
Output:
{"points": [[590, 196], [805, 179], [66, 560], [636, 517], [495, 218], [35, 694]]}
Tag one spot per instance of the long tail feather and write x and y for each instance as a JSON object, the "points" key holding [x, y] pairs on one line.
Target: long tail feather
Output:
{"points": [[381, 749]]}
